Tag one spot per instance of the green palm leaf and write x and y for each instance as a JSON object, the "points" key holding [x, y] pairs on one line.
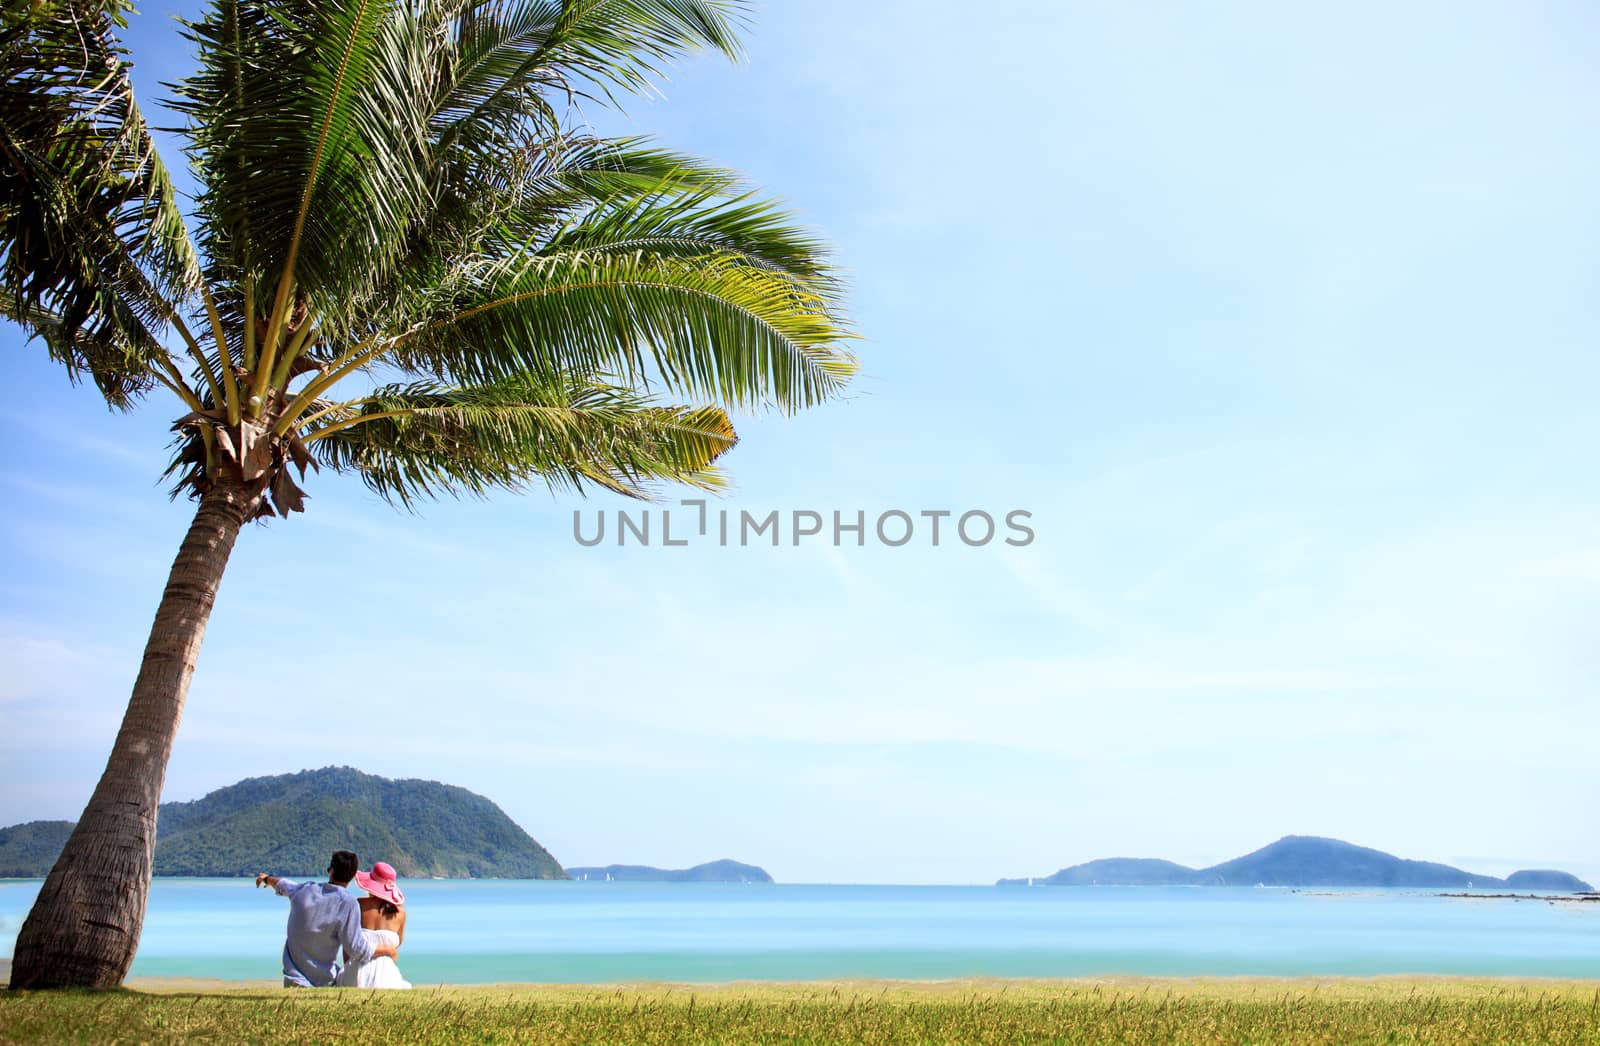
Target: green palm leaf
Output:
{"points": [[510, 57], [308, 137], [94, 254], [427, 439], [710, 326]]}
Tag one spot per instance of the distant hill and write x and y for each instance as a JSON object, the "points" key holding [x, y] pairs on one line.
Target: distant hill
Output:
{"points": [[1544, 879], [1123, 871], [711, 872], [289, 824], [1298, 860], [26, 848], [1307, 860]]}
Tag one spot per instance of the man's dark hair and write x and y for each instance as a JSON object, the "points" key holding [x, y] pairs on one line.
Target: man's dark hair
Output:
{"points": [[343, 867]]}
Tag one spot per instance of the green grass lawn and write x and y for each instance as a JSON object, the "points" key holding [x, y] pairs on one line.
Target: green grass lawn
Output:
{"points": [[1125, 1011]]}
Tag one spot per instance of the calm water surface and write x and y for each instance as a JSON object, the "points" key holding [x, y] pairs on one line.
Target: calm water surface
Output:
{"points": [[474, 932]]}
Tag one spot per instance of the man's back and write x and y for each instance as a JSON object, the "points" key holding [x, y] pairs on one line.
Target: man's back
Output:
{"points": [[321, 916]]}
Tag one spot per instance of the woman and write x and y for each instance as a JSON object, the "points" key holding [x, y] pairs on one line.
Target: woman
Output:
{"points": [[383, 921]]}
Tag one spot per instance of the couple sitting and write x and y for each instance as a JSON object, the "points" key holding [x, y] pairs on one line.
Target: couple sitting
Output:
{"points": [[323, 917]]}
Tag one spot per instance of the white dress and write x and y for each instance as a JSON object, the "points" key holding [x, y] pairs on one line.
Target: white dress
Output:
{"points": [[382, 972]]}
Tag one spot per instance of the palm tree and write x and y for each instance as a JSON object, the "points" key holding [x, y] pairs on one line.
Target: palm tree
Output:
{"points": [[407, 260]]}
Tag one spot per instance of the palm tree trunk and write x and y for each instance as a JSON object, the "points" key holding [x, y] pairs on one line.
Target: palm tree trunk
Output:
{"points": [[84, 926]]}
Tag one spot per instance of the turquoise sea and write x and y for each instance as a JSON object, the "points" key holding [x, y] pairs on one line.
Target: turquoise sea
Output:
{"points": [[477, 932]]}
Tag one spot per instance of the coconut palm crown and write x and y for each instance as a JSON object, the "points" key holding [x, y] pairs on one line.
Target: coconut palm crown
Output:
{"points": [[407, 261]]}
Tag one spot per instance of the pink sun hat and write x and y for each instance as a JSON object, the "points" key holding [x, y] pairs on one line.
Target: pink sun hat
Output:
{"points": [[380, 882]]}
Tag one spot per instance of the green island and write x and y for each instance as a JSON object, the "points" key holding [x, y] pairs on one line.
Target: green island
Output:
{"points": [[1302, 860], [290, 823], [1201, 1011]]}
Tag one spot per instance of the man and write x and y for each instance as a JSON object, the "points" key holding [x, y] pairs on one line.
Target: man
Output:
{"points": [[322, 918]]}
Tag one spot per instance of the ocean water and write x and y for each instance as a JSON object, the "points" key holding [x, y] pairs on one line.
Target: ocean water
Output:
{"points": [[478, 932]]}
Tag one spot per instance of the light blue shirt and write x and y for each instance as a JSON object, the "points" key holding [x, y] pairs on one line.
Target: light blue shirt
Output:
{"points": [[322, 917]]}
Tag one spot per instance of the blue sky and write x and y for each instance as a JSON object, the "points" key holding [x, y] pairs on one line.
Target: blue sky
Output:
{"points": [[1281, 323]]}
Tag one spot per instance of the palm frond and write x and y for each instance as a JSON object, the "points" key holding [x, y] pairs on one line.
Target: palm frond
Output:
{"points": [[545, 185], [673, 219], [94, 254], [713, 327], [509, 57], [308, 138], [119, 370], [427, 439]]}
